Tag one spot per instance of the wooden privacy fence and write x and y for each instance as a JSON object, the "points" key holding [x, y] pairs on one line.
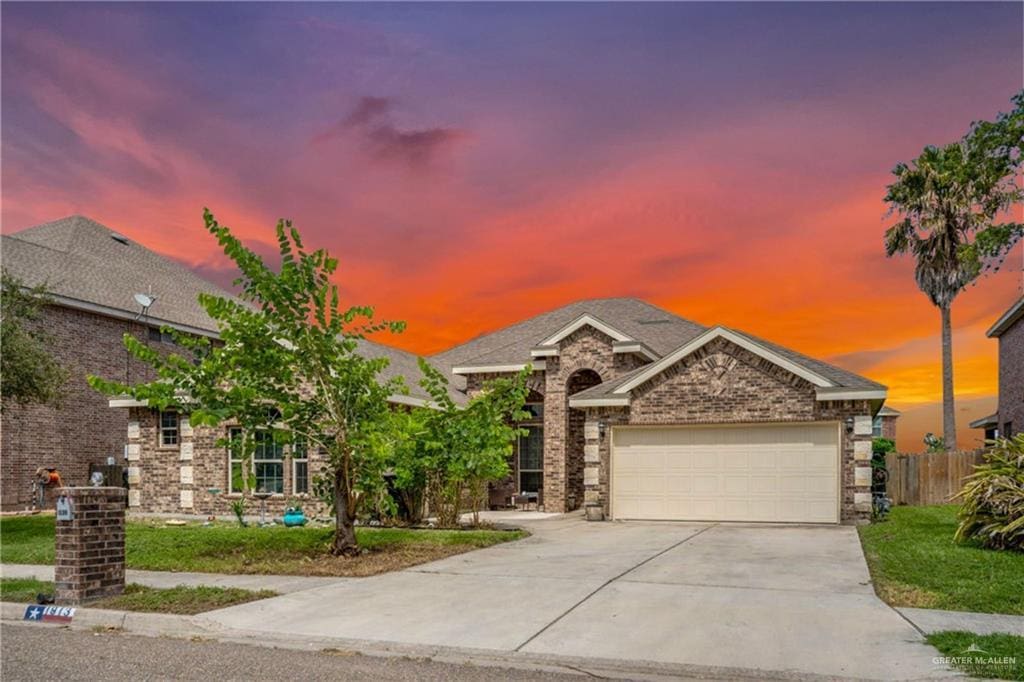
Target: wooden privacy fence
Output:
{"points": [[931, 478]]}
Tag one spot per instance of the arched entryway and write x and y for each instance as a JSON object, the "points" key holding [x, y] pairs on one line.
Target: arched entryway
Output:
{"points": [[579, 380], [525, 482]]}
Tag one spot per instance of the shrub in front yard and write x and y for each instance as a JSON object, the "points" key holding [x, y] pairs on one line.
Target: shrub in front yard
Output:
{"points": [[992, 510]]}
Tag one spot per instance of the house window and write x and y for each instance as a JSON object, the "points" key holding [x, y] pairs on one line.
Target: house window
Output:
{"points": [[158, 336], [236, 484], [876, 427], [300, 468], [168, 429], [1007, 430], [531, 459], [267, 465]]}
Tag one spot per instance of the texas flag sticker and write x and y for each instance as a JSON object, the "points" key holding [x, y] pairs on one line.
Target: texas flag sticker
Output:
{"points": [[50, 614]]}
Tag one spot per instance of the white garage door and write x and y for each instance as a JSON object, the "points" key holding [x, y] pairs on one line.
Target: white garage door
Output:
{"points": [[768, 472]]}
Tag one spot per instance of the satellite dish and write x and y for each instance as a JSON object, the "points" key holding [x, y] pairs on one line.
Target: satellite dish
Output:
{"points": [[144, 300]]}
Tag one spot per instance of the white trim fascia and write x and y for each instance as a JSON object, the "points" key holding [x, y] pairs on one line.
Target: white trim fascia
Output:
{"points": [[487, 369], [852, 394], [127, 402], [1006, 319], [581, 321], [731, 336], [634, 347], [599, 402], [544, 353], [125, 315], [399, 399]]}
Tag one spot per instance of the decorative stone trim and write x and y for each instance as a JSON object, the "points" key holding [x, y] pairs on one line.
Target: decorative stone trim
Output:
{"points": [[186, 450], [186, 475], [862, 501], [186, 499], [590, 476], [134, 452], [862, 425], [134, 430], [861, 477], [591, 454], [134, 475], [185, 427], [591, 431], [862, 450], [135, 498]]}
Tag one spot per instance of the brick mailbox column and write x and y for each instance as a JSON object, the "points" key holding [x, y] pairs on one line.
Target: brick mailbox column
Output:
{"points": [[90, 546]]}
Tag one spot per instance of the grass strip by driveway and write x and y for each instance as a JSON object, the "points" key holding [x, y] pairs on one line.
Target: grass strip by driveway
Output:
{"points": [[914, 562], [180, 600], [998, 656], [226, 548]]}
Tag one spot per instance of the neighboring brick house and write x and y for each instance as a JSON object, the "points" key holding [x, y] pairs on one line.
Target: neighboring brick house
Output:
{"points": [[884, 423], [92, 274], [1009, 418], [641, 414]]}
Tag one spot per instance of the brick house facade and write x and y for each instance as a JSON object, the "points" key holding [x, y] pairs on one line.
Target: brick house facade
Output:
{"points": [[91, 274], [83, 431], [600, 368], [1011, 379], [719, 383], [192, 475], [1009, 331]]}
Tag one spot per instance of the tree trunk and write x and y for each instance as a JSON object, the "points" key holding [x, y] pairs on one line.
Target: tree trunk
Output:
{"points": [[948, 404], [345, 543]]}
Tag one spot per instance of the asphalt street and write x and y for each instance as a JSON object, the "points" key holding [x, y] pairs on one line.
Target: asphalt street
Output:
{"points": [[32, 652]]}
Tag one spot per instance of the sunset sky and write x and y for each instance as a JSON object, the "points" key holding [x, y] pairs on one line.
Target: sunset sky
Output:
{"points": [[475, 164]]}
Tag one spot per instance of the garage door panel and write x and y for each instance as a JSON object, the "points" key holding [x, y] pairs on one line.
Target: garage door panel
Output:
{"points": [[731, 473]]}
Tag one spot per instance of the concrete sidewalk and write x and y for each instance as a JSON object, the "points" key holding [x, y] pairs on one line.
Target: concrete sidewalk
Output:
{"points": [[282, 584], [934, 620]]}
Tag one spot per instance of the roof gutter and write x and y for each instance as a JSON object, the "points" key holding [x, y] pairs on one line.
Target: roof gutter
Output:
{"points": [[124, 401], [119, 314]]}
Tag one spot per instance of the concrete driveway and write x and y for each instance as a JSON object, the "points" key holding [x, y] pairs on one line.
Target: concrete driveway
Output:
{"points": [[761, 598]]}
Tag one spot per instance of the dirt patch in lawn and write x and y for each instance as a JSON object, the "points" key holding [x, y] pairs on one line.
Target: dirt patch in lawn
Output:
{"points": [[369, 562], [907, 595]]}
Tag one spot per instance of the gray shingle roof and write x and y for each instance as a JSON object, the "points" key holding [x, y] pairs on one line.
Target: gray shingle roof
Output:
{"points": [[659, 329], [404, 364], [79, 259], [837, 375]]}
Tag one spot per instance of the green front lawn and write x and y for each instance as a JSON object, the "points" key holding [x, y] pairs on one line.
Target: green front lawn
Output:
{"points": [[226, 548], [999, 656], [180, 600], [914, 562]]}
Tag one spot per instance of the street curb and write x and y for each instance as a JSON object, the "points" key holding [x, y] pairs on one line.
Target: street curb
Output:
{"points": [[187, 627]]}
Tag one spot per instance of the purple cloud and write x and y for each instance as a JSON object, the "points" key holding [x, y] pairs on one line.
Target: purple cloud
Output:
{"points": [[370, 123]]}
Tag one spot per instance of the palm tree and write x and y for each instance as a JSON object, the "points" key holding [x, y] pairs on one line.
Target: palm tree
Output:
{"points": [[949, 200]]}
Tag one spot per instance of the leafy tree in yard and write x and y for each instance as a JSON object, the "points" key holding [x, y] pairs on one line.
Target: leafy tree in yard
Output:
{"points": [[28, 373], [953, 202], [287, 365], [457, 451], [410, 463]]}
